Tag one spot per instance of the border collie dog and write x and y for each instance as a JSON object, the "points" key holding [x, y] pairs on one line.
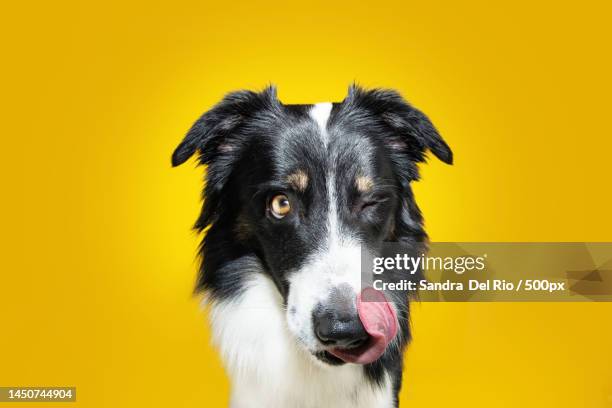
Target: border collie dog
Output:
{"points": [[293, 195]]}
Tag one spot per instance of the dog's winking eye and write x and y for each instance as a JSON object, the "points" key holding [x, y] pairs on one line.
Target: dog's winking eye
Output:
{"points": [[279, 206]]}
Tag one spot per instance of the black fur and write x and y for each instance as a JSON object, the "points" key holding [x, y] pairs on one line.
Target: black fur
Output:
{"points": [[250, 142]]}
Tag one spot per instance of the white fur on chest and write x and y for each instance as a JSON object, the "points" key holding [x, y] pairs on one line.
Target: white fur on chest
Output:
{"points": [[267, 367]]}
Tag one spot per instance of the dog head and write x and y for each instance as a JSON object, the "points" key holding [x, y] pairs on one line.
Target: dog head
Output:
{"points": [[297, 192]]}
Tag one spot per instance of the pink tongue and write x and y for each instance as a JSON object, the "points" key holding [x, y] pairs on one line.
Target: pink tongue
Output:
{"points": [[379, 320]]}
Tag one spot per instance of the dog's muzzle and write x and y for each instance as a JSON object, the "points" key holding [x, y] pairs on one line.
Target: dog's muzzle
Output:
{"points": [[358, 334]]}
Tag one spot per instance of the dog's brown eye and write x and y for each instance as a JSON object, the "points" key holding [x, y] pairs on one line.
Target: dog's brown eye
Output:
{"points": [[280, 206]]}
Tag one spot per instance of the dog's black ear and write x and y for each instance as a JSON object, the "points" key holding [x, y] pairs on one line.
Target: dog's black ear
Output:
{"points": [[408, 135], [414, 132], [212, 132], [220, 136]]}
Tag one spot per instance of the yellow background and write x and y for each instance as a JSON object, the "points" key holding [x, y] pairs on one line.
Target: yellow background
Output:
{"points": [[97, 257]]}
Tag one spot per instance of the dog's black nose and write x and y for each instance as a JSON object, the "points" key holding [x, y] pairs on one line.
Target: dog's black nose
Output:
{"points": [[339, 329]]}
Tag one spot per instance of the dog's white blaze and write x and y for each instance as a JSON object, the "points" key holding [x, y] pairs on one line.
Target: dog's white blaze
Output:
{"points": [[320, 113], [337, 262], [269, 369]]}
